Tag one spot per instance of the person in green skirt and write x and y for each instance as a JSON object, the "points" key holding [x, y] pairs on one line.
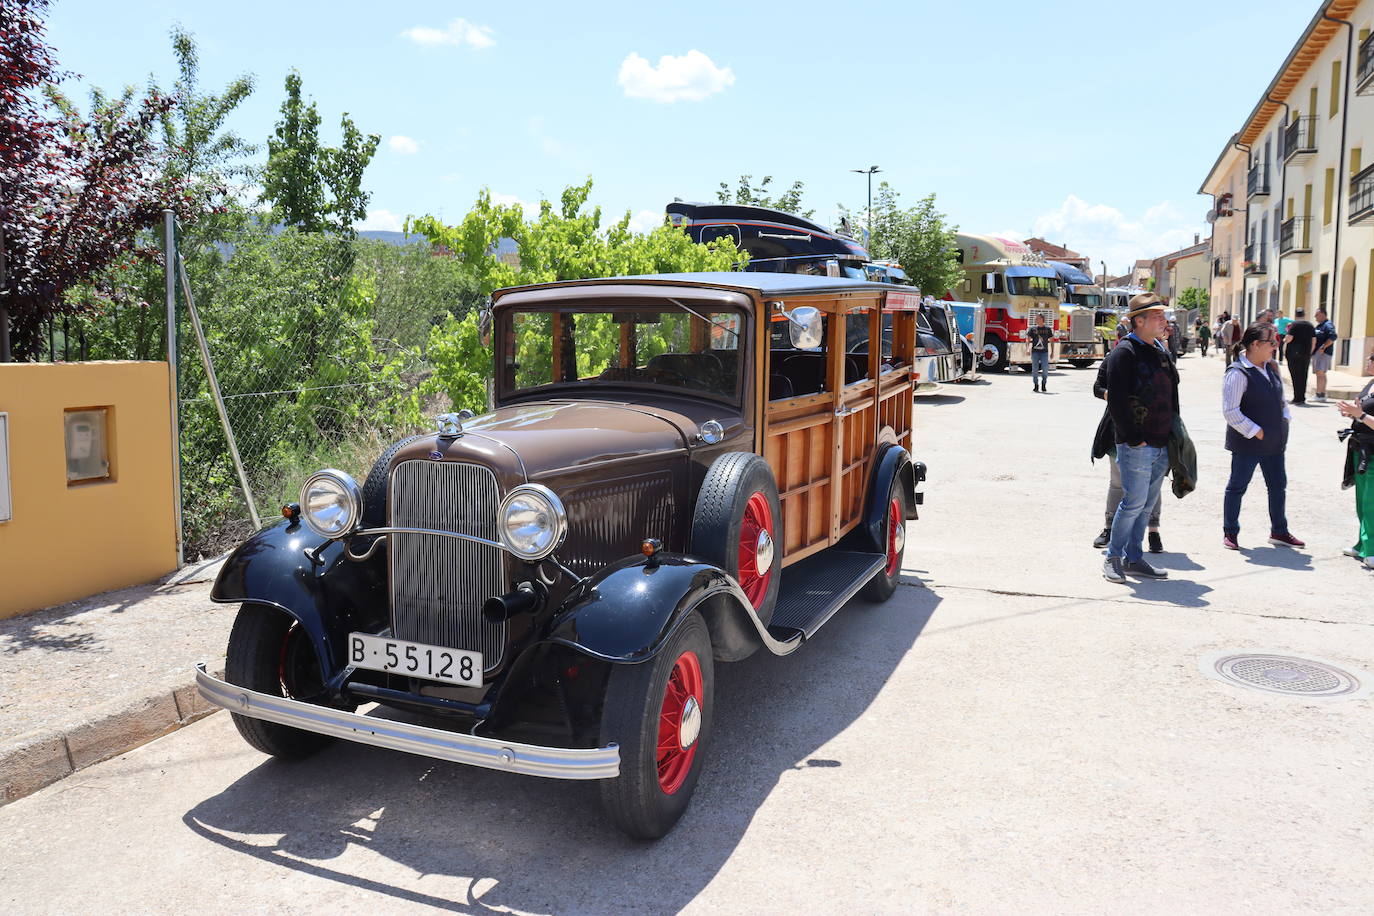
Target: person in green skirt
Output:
{"points": [[1360, 468]]}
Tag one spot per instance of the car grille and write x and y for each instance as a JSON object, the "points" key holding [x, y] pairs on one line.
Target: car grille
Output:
{"points": [[438, 584]]}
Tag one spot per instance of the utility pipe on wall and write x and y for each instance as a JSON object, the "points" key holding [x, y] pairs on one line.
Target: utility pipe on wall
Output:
{"points": [[1341, 178]]}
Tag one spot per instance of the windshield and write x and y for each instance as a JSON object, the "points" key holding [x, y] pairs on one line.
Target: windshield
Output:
{"points": [[668, 344], [1091, 300], [1031, 286]]}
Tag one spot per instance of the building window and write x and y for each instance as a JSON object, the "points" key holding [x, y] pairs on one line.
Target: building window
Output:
{"points": [[1335, 89], [1329, 197], [88, 445]]}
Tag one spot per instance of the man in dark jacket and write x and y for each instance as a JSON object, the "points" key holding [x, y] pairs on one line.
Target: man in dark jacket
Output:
{"points": [[1142, 401], [1301, 340]]}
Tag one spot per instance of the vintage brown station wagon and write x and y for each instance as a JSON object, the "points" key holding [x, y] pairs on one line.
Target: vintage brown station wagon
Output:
{"points": [[678, 470]]}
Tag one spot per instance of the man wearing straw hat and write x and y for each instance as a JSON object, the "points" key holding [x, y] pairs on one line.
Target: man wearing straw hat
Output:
{"points": [[1142, 401]]}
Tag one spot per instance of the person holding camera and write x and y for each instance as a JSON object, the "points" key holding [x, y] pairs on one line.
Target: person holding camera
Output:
{"points": [[1359, 451]]}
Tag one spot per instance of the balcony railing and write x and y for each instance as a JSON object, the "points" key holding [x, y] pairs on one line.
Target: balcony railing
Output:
{"points": [[1254, 260], [1364, 72], [1221, 266], [1258, 183], [1295, 237], [1300, 137], [1362, 196]]}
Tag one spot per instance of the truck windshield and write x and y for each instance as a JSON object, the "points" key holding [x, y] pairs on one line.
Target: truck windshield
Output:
{"points": [[1030, 286], [666, 345], [1091, 300]]}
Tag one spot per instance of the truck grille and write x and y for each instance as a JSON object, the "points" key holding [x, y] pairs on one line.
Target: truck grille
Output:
{"points": [[438, 584], [1081, 328]]}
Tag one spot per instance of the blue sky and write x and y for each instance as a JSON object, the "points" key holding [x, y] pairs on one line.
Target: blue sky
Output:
{"points": [[1089, 123]]}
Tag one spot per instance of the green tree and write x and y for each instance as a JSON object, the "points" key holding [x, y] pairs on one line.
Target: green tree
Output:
{"points": [[1195, 297], [564, 242], [917, 238], [313, 187], [212, 160], [788, 201]]}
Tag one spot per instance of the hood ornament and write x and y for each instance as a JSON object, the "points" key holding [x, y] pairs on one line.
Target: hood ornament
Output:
{"points": [[451, 424]]}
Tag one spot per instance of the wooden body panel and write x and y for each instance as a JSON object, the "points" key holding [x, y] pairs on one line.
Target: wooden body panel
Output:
{"points": [[821, 446]]}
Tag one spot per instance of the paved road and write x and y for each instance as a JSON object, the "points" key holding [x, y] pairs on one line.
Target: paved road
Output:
{"points": [[1009, 733]]}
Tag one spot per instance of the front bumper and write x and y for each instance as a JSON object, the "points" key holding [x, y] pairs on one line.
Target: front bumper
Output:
{"points": [[473, 750]]}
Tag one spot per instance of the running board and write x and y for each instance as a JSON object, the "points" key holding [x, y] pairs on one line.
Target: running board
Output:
{"points": [[812, 590]]}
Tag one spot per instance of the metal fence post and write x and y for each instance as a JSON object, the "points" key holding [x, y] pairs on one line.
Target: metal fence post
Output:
{"points": [[169, 262], [214, 390]]}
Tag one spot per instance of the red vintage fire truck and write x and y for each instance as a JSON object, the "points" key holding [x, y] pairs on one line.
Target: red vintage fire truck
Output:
{"points": [[1015, 285]]}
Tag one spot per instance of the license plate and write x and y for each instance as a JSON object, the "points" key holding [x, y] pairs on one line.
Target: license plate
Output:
{"points": [[433, 663]]}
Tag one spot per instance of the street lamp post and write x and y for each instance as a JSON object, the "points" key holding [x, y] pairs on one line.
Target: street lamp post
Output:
{"points": [[869, 172]]}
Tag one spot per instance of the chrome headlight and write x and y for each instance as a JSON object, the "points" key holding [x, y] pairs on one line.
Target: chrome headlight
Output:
{"points": [[532, 522], [331, 503]]}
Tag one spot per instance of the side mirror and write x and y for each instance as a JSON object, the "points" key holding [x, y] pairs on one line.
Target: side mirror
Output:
{"points": [[484, 325], [805, 325]]}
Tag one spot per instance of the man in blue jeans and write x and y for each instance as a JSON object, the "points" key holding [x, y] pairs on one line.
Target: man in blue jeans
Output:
{"points": [[1142, 401], [1040, 337]]}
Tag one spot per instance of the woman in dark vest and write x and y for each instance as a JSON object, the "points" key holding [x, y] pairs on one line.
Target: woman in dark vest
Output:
{"points": [[1256, 432]]}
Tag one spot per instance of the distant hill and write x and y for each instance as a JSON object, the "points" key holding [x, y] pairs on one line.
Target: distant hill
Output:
{"points": [[503, 246], [393, 238]]}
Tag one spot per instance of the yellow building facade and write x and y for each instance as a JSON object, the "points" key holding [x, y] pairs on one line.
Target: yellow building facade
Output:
{"points": [[1293, 190], [87, 498]]}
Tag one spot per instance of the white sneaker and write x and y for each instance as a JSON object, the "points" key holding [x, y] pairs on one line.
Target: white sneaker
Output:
{"points": [[1369, 561], [1352, 552], [1319, 397]]}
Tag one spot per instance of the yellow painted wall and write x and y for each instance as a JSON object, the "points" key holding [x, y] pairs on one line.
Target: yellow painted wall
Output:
{"points": [[69, 542]]}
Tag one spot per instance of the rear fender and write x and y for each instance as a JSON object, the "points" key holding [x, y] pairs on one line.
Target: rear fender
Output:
{"points": [[625, 613], [328, 599], [894, 463]]}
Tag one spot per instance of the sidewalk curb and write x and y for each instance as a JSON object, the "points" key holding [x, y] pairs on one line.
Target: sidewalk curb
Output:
{"points": [[38, 759]]}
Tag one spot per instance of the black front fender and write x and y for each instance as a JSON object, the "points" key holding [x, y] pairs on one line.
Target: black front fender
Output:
{"points": [[626, 612], [328, 598]]}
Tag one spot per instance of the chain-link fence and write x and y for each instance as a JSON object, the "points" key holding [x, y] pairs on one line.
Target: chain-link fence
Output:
{"points": [[320, 346]]}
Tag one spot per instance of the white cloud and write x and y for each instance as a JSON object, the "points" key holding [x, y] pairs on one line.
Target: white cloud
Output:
{"points": [[1104, 233], [383, 220], [691, 77], [510, 200], [458, 32], [403, 145], [646, 220]]}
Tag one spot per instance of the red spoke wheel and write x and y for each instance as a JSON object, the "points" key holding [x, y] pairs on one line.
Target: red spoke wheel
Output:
{"points": [[659, 713], [896, 536], [882, 585], [270, 653], [679, 722], [755, 561], [736, 524]]}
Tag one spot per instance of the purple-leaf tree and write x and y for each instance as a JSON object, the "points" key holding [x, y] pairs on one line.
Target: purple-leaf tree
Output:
{"points": [[74, 193]]}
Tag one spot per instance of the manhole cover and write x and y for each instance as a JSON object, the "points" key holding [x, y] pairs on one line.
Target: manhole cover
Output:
{"points": [[1286, 674]]}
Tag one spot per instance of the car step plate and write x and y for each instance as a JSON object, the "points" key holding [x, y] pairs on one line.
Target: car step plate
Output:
{"points": [[814, 589]]}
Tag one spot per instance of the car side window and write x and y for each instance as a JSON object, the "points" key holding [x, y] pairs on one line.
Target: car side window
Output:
{"points": [[858, 338], [792, 372]]}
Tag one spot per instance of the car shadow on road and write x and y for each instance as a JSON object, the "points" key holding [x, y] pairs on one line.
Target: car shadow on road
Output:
{"points": [[498, 841], [939, 400]]}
